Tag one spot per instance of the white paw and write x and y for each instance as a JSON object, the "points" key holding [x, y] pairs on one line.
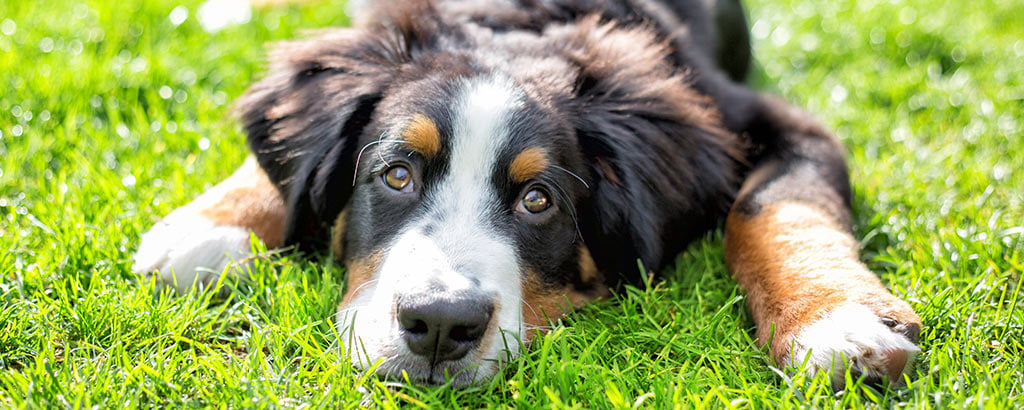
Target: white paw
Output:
{"points": [[853, 334], [188, 249]]}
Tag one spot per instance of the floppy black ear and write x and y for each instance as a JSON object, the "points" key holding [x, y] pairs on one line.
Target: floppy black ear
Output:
{"points": [[662, 164], [304, 119]]}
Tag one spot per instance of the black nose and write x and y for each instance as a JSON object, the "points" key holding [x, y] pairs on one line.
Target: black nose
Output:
{"points": [[443, 328]]}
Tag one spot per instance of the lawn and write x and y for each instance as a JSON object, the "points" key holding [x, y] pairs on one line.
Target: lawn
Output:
{"points": [[114, 113]]}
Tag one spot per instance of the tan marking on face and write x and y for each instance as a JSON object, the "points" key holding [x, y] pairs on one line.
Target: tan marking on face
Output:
{"points": [[592, 285], [796, 263], [338, 236], [422, 136], [360, 271], [247, 199], [588, 269], [528, 164], [542, 302]]}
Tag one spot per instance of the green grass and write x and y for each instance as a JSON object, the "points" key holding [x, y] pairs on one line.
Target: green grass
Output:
{"points": [[111, 116]]}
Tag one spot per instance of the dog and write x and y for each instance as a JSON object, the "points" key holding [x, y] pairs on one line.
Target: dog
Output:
{"points": [[483, 166]]}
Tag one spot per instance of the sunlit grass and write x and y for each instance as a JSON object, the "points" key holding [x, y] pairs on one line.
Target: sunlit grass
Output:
{"points": [[111, 115]]}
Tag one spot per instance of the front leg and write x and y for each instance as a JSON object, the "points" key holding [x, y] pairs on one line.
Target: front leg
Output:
{"points": [[788, 243], [196, 242]]}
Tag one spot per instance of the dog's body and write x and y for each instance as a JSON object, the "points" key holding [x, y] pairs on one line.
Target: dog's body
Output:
{"points": [[480, 165]]}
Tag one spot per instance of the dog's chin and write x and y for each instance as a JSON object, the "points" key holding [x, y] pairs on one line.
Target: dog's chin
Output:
{"points": [[406, 366], [416, 370]]}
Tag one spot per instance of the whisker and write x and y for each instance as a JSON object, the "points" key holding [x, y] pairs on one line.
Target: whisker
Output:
{"points": [[528, 305], [380, 153], [355, 173], [355, 292], [573, 174], [365, 284], [572, 211]]}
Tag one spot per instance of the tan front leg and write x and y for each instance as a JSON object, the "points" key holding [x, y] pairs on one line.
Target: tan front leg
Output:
{"points": [[813, 299]]}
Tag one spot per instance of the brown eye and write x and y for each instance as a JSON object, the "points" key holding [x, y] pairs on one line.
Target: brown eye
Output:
{"points": [[398, 177], [536, 201]]}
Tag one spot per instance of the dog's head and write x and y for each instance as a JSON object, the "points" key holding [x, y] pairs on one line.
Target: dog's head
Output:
{"points": [[478, 185]]}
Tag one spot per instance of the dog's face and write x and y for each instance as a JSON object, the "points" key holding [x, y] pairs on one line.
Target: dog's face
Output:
{"points": [[475, 195], [460, 235]]}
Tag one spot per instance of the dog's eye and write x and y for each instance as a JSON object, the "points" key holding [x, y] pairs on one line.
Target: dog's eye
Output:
{"points": [[398, 178], [536, 201]]}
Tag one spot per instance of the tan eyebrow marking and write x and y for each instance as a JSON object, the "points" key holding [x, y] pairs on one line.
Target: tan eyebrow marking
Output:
{"points": [[528, 164], [422, 136]]}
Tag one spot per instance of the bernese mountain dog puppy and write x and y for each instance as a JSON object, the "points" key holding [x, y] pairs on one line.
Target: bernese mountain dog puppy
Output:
{"points": [[482, 166]]}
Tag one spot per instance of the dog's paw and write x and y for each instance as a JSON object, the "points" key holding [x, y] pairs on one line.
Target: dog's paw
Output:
{"points": [[876, 347], [187, 250]]}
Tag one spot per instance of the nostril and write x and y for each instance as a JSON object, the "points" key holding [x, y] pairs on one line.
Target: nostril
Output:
{"points": [[466, 333], [417, 327], [410, 321]]}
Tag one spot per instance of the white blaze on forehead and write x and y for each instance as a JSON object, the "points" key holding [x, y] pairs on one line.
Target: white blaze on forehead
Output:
{"points": [[463, 206], [482, 114]]}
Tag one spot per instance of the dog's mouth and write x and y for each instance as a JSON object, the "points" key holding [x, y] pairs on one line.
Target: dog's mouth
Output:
{"points": [[418, 370], [432, 344]]}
